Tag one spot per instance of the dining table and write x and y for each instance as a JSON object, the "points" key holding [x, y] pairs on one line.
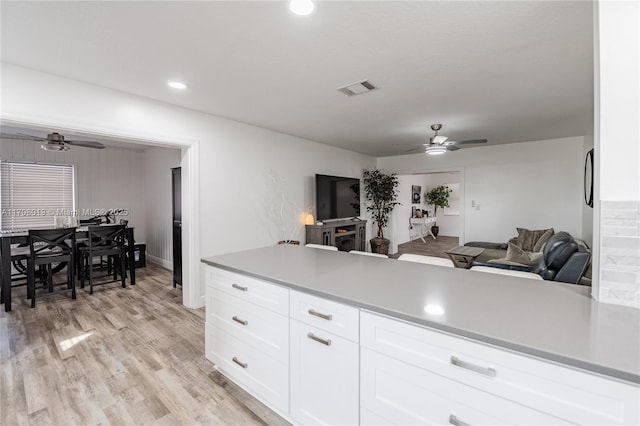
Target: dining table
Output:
{"points": [[7, 239]]}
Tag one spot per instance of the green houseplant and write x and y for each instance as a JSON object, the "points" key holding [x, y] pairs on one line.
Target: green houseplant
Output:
{"points": [[380, 198], [438, 197]]}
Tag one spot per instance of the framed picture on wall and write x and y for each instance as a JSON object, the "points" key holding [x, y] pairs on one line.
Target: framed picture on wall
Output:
{"points": [[415, 194]]}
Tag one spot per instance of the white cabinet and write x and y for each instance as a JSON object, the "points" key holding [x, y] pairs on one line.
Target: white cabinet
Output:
{"points": [[325, 361], [327, 315], [247, 334], [324, 377], [401, 393], [404, 364], [316, 361]]}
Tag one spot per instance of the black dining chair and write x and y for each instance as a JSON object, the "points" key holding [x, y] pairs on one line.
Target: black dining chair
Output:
{"points": [[19, 258], [103, 241], [48, 249]]}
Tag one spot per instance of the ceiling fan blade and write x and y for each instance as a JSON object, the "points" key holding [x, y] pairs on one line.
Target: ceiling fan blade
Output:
{"points": [[471, 141], [86, 144], [409, 151], [22, 136], [452, 148]]}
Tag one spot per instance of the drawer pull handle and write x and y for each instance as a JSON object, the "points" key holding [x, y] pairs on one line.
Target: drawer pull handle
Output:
{"points": [[319, 340], [482, 370], [243, 322], [241, 364], [315, 313], [239, 287], [453, 420]]}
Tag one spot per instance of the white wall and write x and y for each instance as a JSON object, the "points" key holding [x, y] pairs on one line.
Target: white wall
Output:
{"points": [[617, 145], [109, 178], [156, 165], [533, 185], [233, 157], [235, 170]]}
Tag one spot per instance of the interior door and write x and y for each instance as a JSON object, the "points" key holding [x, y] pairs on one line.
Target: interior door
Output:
{"points": [[176, 182]]}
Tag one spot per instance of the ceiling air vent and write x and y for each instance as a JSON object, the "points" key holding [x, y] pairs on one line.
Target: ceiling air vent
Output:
{"points": [[357, 88]]}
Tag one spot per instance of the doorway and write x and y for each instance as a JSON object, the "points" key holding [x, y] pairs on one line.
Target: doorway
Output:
{"points": [[193, 296], [407, 229]]}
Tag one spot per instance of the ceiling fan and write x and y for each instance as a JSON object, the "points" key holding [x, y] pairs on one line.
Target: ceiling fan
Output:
{"points": [[440, 144], [55, 141]]}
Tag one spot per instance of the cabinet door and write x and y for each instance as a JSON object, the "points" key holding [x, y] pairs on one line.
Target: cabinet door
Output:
{"points": [[361, 237], [324, 377], [329, 237]]}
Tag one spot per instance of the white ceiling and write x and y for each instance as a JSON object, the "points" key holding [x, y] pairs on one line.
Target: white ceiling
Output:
{"points": [[508, 71]]}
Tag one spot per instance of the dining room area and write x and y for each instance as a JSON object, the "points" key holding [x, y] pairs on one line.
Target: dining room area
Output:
{"points": [[75, 216]]}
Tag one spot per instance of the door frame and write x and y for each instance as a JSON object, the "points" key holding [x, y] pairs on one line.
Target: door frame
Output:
{"points": [[190, 149]]}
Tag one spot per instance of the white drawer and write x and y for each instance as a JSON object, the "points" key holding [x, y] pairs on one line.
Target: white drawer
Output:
{"points": [[563, 392], [324, 377], [261, 328], [261, 293], [393, 392], [257, 373], [333, 317]]}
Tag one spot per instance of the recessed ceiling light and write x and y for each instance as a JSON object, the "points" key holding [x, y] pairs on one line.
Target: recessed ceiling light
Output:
{"points": [[434, 309], [301, 7], [177, 84]]}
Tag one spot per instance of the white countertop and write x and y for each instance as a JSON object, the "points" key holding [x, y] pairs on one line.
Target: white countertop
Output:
{"points": [[550, 320]]}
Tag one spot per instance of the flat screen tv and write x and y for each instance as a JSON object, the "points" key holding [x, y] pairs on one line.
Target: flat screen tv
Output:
{"points": [[337, 197]]}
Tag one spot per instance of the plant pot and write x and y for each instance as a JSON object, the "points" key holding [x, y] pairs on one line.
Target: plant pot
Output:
{"points": [[434, 230], [380, 245], [294, 242]]}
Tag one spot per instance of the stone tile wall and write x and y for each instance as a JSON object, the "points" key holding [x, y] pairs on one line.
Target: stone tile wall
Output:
{"points": [[620, 253]]}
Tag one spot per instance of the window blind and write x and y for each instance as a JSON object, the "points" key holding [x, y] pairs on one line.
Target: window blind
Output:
{"points": [[32, 194]]}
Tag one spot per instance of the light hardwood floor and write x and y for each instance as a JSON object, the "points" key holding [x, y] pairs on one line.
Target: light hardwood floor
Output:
{"points": [[119, 356]]}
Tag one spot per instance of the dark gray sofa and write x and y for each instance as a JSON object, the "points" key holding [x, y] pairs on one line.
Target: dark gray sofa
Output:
{"points": [[563, 259]]}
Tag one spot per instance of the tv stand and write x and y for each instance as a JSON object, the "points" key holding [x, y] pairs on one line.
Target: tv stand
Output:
{"points": [[346, 234]]}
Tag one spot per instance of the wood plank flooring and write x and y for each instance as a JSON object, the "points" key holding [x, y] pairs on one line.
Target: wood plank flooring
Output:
{"points": [[437, 247], [117, 357]]}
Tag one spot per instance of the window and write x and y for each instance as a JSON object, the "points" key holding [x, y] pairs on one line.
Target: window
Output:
{"points": [[32, 194]]}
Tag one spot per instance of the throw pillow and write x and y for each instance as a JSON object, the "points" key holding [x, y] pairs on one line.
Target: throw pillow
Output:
{"points": [[543, 239], [517, 254], [527, 239]]}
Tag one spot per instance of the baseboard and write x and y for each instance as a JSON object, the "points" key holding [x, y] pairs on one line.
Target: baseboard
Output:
{"points": [[166, 264]]}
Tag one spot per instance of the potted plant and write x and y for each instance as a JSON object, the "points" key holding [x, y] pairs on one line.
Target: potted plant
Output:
{"points": [[380, 198], [438, 197]]}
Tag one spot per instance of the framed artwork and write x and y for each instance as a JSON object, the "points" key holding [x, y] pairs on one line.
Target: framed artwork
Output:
{"points": [[415, 194]]}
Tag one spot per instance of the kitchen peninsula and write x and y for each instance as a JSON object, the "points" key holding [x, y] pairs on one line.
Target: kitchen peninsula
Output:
{"points": [[330, 337]]}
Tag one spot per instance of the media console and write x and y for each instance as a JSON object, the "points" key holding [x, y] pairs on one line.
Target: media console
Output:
{"points": [[346, 234]]}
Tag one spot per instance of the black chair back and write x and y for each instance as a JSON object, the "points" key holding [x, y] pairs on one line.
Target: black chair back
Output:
{"points": [[46, 247], [52, 245], [108, 239]]}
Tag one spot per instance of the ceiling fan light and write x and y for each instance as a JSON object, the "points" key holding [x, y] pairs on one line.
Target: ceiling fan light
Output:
{"points": [[301, 7], [54, 147], [436, 150]]}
